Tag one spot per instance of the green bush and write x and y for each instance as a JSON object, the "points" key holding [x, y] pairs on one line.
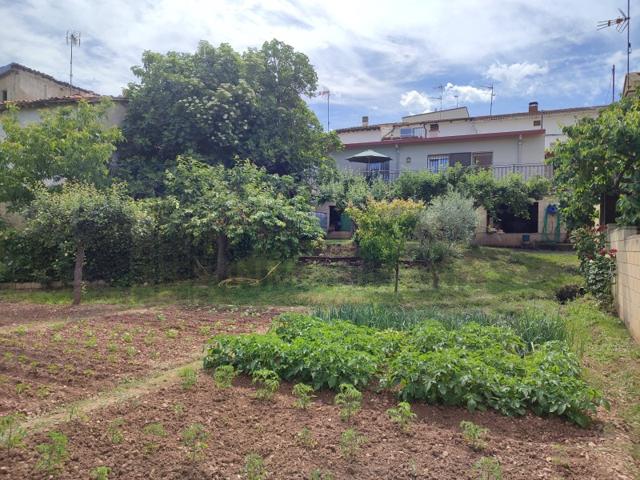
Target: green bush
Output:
{"points": [[477, 366]]}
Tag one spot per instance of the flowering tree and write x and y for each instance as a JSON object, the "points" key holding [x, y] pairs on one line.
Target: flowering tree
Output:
{"points": [[597, 262]]}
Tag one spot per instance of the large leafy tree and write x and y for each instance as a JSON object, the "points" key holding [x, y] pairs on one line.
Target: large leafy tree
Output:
{"points": [[80, 216], [69, 143], [600, 160], [217, 103], [240, 208]]}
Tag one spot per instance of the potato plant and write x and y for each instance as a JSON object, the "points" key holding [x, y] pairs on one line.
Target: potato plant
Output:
{"points": [[303, 394]]}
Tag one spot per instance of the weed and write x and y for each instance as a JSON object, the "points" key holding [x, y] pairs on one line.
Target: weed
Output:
{"points": [[303, 395], [161, 317], [194, 438], [172, 333], [189, 377], [42, 392], [52, 454], [22, 358], [112, 347], [350, 401], [8, 356], [178, 408], [20, 331], [91, 342], [254, 468], [149, 339], [350, 442], [100, 473], [22, 388], [306, 438], [114, 431], [474, 435], [57, 337], [89, 373], [74, 413], [56, 327], [488, 468], [127, 337], [11, 433], [402, 415], [131, 351], [156, 429], [205, 330], [318, 474], [223, 376], [268, 382], [53, 368]]}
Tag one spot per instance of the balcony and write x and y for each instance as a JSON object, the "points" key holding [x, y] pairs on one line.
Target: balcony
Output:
{"points": [[499, 171]]}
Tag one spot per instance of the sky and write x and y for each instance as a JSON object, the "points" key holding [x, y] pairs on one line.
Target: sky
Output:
{"points": [[383, 59]]}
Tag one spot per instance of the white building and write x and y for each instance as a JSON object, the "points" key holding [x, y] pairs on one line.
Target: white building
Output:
{"points": [[507, 143]]}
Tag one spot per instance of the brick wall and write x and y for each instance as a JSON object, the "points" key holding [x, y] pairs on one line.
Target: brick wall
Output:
{"points": [[626, 291]]}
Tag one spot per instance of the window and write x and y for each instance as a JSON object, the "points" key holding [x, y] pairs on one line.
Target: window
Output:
{"points": [[463, 159], [482, 159], [5, 95], [437, 163], [509, 223], [434, 127], [536, 123], [406, 132]]}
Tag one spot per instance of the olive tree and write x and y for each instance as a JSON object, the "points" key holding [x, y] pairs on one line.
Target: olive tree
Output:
{"points": [[443, 229], [242, 207], [79, 216]]}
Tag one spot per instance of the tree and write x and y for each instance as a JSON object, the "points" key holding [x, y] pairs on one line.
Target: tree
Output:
{"points": [[383, 229], [69, 143], [219, 104], [599, 159], [82, 215], [242, 207], [443, 229]]}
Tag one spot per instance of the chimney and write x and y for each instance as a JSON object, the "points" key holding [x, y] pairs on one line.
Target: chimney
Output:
{"points": [[533, 107], [365, 121]]}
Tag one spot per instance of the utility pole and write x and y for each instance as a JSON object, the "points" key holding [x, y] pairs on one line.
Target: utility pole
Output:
{"points": [[73, 38], [613, 83], [328, 94]]}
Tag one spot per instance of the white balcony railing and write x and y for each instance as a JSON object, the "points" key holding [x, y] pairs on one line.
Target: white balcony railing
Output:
{"points": [[499, 171]]}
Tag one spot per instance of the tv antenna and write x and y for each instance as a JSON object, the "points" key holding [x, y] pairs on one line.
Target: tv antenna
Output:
{"points": [[456, 97], [490, 87], [441, 88], [73, 38], [622, 23]]}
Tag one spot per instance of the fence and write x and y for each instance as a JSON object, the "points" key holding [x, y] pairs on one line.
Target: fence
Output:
{"points": [[499, 171], [626, 290]]}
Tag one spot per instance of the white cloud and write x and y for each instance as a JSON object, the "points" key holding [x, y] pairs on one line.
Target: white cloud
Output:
{"points": [[467, 94], [416, 101], [517, 76]]}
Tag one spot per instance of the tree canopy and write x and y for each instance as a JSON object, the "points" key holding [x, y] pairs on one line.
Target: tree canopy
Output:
{"points": [[69, 143], [219, 104], [242, 208], [600, 158]]}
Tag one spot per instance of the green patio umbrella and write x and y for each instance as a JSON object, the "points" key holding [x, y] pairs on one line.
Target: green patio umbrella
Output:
{"points": [[368, 156]]}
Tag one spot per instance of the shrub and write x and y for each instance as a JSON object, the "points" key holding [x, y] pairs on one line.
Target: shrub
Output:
{"points": [[349, 400], [268, 382], [303, 395], [597, 262], [52, 454]]}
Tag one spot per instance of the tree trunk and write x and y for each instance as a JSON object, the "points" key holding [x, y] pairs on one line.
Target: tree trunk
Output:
{"points": [[77, 274], [222, 260], [395, 289], [436, 278]]}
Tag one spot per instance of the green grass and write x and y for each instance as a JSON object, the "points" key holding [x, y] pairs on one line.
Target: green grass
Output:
{"points": [[490, 279]]}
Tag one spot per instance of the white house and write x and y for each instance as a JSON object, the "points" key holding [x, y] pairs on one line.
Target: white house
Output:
{"points": [[507, 143]]}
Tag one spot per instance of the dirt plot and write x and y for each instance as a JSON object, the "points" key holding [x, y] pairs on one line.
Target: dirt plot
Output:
{"points": [[24, 313], [43, 368], [237, 425]]}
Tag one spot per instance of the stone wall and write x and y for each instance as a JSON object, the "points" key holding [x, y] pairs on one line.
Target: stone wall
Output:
{"points": [[626, 290]]}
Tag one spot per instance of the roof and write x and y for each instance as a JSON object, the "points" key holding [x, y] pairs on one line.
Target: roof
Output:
{"points": [[53, 101], [479, 117], [445, 139], [5, 69]]}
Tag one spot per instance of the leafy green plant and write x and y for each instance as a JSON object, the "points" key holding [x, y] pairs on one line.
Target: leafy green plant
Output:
{"points": [[224, 375], [100, 473], [52, 454], [194, 437], [254, 468], [205, 330], [171, 333], [23, 388], [11, 433], [303, 394], [349, 400], [318, 474], [306, 438], [127, 337], [402, 415], [268, 383], [488, 468], [350, 443], [178, 408], [20, 331], [474, 435], [189, 377]]}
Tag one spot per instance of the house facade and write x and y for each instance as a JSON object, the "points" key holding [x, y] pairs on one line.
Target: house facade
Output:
{"points": [[434, 141]]}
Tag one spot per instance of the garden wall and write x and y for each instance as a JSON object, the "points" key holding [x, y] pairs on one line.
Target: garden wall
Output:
{"points": [[626, 290]]}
